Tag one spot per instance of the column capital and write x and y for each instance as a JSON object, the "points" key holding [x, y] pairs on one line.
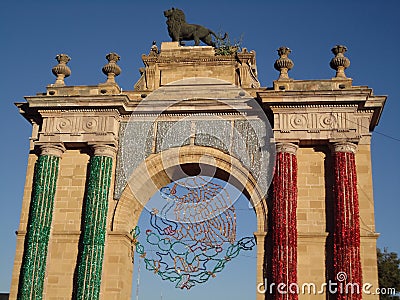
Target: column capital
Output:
{"points": [[260, 235], [344, 147], [54, 149], [103, 149], [287, 148]]}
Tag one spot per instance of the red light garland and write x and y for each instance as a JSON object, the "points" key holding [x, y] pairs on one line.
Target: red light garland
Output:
{"points": [[346, 232], [347, 227], [284, 224]]}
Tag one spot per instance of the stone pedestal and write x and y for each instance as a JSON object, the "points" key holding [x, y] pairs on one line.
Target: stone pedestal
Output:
{"points": [[175, 62]]}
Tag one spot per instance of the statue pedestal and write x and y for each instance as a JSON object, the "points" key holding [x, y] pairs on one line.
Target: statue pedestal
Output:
{"points": [[175, 62], [169, 45]]}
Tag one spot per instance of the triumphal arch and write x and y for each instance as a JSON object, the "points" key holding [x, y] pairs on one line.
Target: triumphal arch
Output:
{"points": [[298, 150]]}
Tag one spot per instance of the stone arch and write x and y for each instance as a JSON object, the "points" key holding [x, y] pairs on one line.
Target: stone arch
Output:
{"points": [[153, 174], [155, 162]]}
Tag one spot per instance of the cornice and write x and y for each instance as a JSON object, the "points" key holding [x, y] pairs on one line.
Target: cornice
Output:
{"points": [[188, 59]]}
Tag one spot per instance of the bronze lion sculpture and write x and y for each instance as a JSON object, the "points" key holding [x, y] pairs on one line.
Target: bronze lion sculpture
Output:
{"points": [[179, 30]]}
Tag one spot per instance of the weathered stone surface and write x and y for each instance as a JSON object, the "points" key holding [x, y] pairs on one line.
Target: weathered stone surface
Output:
{"points": [[175, 62], [312, 116]]}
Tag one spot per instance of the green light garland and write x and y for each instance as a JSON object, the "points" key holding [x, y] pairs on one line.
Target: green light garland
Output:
{"points": [[94, 231], [38, 232], [189, 267]]}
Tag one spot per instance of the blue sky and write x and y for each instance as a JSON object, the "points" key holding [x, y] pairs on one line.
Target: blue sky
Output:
{"points": [[32, 33], [235, 281]]}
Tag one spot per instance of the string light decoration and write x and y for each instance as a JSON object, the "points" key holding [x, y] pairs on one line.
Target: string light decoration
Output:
{"points": [[38, 232], [284, 228], [94, 231], [193, 236], [347, 223]]}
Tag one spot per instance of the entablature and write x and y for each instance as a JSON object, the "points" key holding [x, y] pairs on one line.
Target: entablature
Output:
{"points": [[311, 115]]}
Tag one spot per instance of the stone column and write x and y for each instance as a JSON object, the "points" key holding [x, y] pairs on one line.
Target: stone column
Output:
{"points": [[260, 239], [347, 263], [33, 266], [284, 221], [90, 261]]}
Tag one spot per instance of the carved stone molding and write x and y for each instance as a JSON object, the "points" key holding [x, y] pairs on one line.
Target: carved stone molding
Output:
{"points": [[286, 148], [344, 147], [75, 124], [167, 65], [321, 122], [103, 150], [79, 127], [247, 69], [54, 149], [314, 120]]}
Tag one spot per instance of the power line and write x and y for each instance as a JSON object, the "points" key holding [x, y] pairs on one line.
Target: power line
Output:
{"points": [[388, 136], [365, 127], [138, 282], [375, 131]]}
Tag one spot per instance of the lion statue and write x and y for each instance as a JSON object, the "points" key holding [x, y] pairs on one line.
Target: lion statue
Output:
{"points": [[179, 30]]}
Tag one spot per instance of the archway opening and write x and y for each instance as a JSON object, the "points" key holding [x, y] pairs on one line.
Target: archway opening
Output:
{"points": [[180, 259]]}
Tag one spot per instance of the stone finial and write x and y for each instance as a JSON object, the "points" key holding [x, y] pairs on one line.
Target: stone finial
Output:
{"points": [[339, 62], [112, 69], [61, 70], [283, 64]]}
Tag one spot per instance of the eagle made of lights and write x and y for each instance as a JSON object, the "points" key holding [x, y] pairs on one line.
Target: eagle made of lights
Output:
{"points": [[192, 235]]}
